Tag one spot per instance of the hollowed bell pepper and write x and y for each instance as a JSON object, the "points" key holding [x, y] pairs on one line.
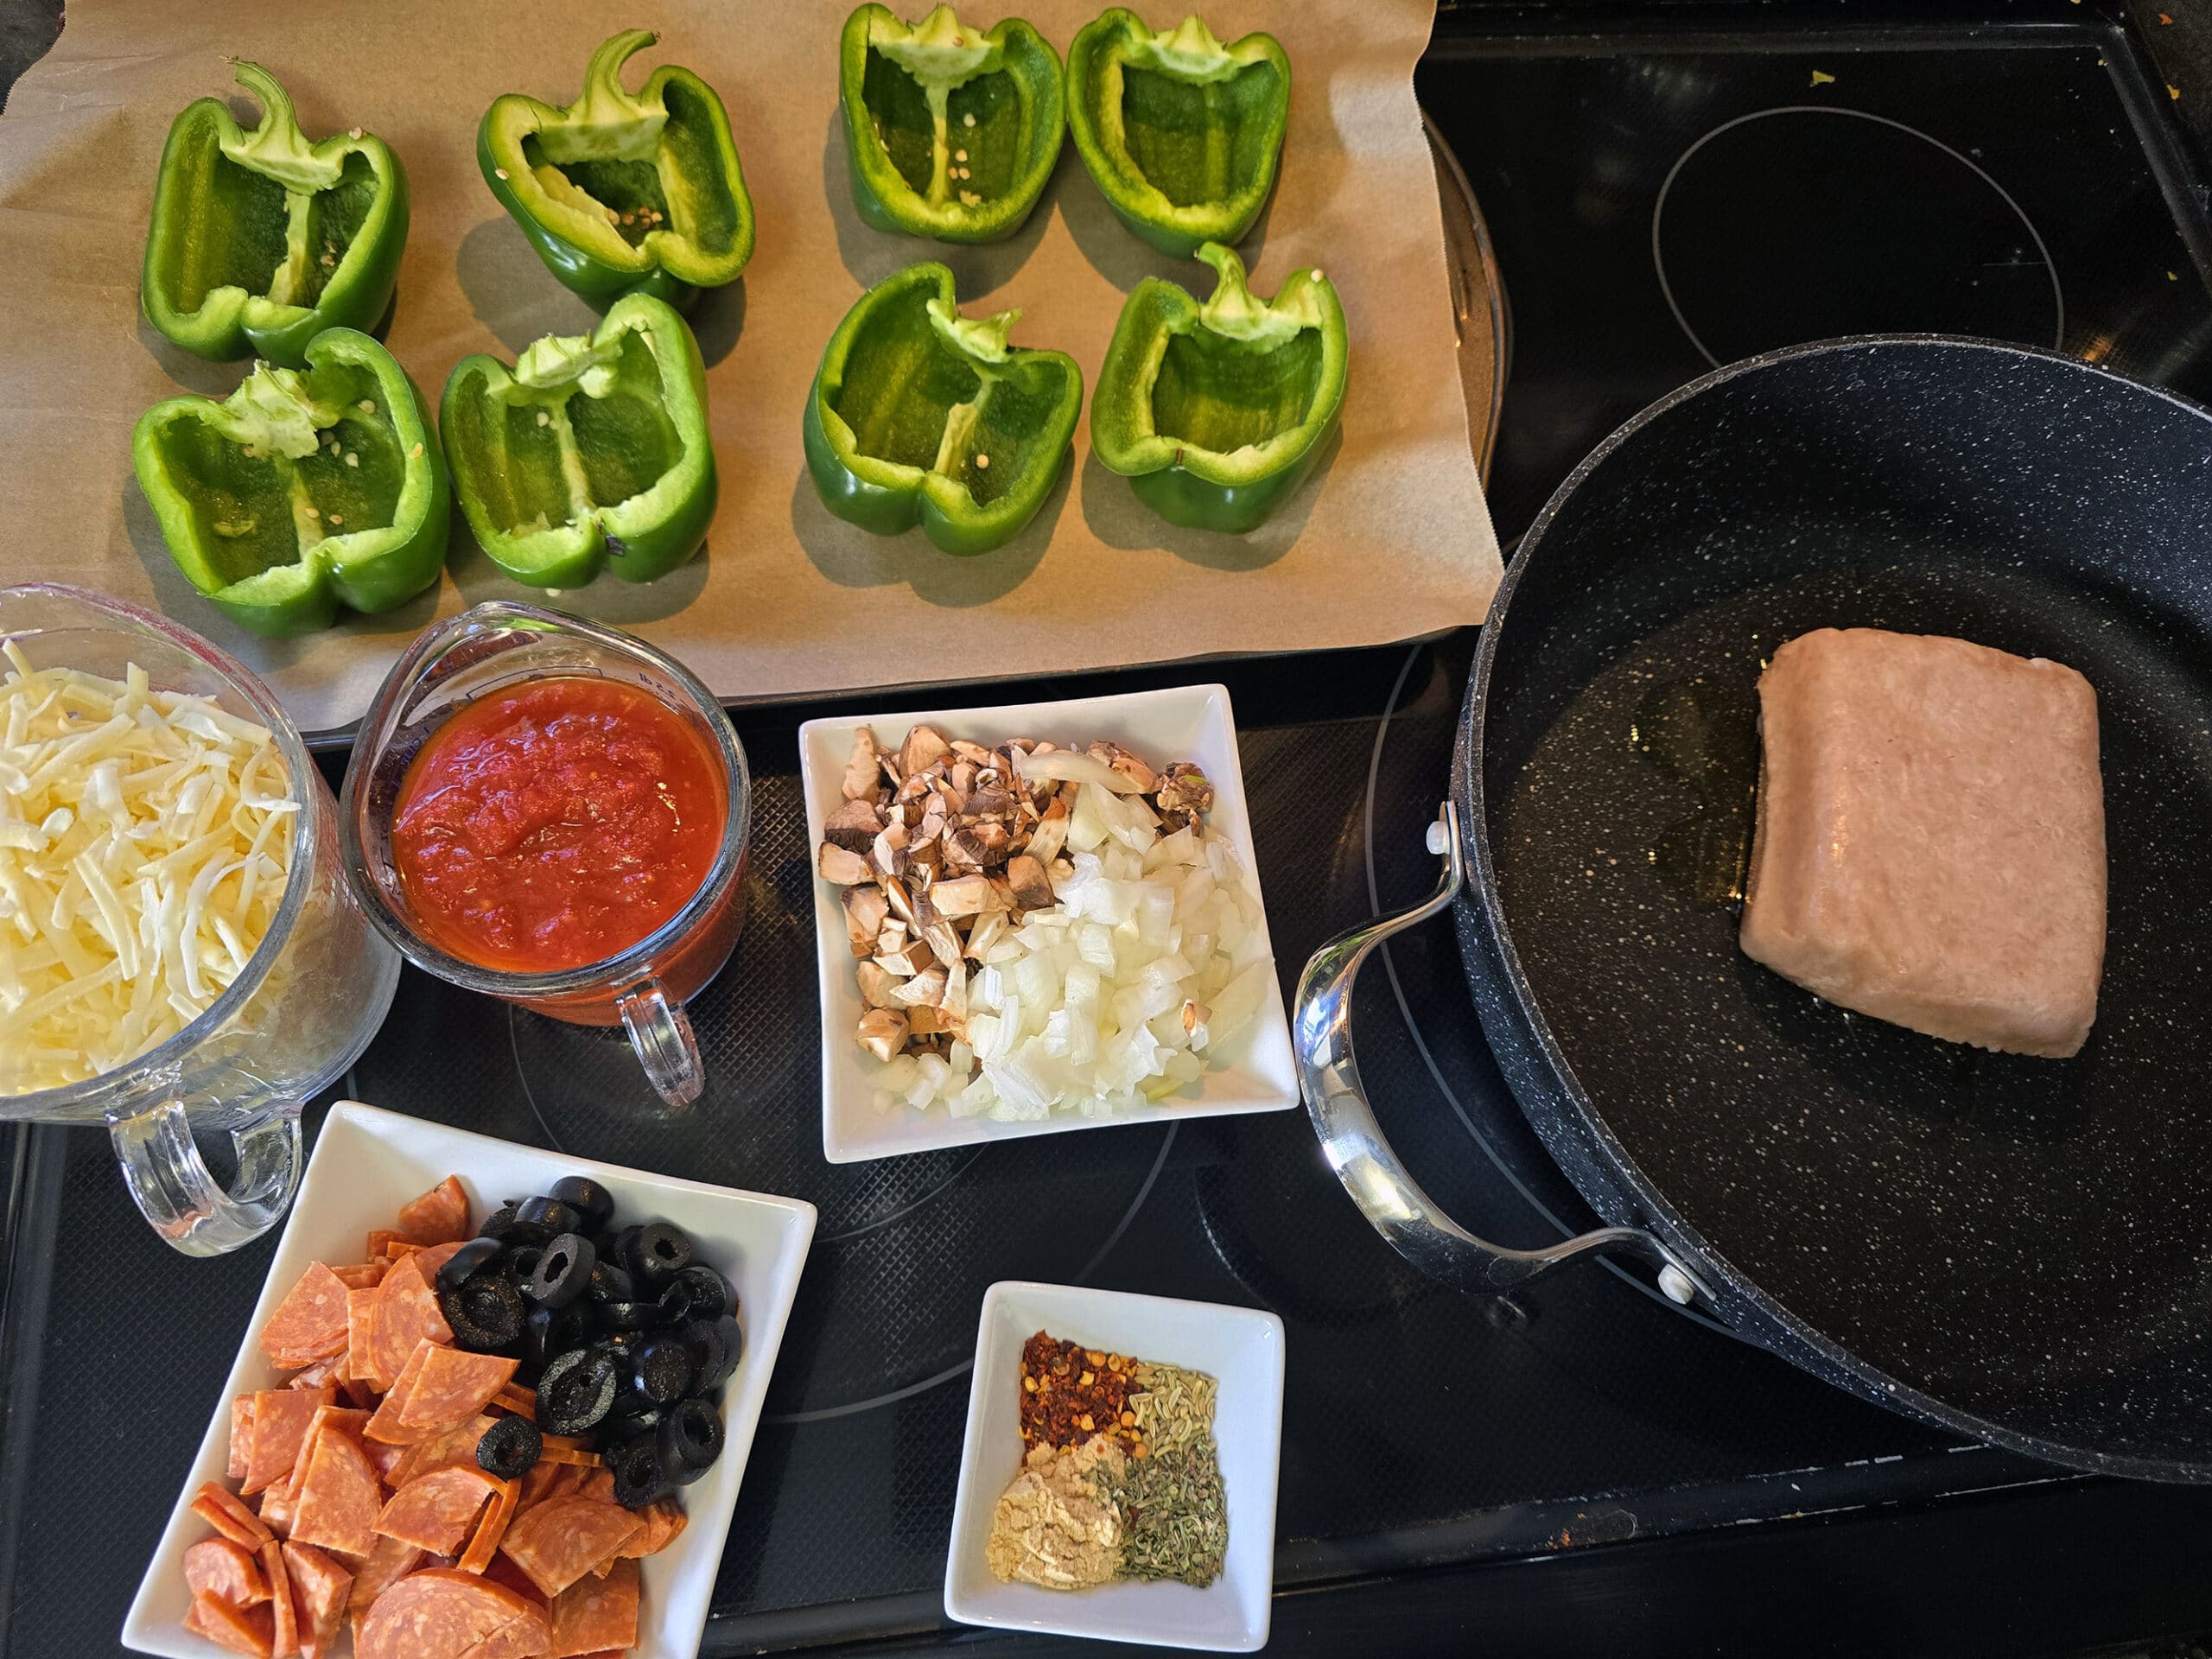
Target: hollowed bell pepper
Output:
{"points": [[1216, 412], [261, 240], [303, 490], [592, 452], [949, 133], [1181, 133], [918, 415], [622, 192]]}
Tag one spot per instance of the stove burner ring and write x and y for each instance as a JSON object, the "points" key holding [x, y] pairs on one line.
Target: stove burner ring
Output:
{"points": [[1666, 287]]}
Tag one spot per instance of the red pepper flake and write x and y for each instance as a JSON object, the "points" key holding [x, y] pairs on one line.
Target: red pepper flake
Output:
{"points": [[1069, 1392]]}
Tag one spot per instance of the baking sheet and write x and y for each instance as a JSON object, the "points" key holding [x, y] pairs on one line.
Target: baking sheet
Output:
{"points": [[1390, 539]]}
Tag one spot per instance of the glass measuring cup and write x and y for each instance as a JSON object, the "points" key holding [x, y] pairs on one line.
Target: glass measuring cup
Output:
{"points": [[642, 988], [311, 997]]}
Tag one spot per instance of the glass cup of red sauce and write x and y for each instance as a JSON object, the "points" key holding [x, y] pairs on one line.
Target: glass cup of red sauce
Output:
{"points": [[553, 813]]}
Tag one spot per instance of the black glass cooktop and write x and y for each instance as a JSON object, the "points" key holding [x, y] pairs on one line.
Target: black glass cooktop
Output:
{"points": [[1662, 195], [1666, 196]]}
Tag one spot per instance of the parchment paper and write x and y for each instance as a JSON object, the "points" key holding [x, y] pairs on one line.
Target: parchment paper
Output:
{"points": [[1389, 540]]}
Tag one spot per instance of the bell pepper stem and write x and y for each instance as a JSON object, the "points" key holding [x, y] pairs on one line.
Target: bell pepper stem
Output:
{"points": [[277, 147]]}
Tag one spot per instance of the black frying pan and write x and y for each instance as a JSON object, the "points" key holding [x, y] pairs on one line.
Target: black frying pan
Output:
{"points": [[2019, 1248]]}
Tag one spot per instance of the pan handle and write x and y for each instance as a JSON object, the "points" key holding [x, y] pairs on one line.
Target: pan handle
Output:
{"points": [[1389, 1198]]}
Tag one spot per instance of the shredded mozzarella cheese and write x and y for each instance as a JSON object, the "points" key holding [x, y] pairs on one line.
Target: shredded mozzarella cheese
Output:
{"points": [[145, 842]]}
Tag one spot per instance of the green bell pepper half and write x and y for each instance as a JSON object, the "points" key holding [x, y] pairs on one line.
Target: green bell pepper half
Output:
{"points": [[1182, 133], [949, 133], [1216, 412], [919, 415], [623, 194], [304, 490], [261, 240], [591, 453]]}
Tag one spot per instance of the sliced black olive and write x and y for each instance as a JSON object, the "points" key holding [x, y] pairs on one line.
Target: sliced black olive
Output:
{"points": [[563, 1270], [628, 1316], [689, 1440], [522, 1258], [623, 1344], [583, 1194], [486, 1311], [575, 1391], [610, 1283], [549, 1332], [662, 1250], [716, 1345], [624, 1245], [639, 1477], [465, 1261], [500, 1224], [552, 1215], [509, 1448], [665, 1370], [698, 1293]]}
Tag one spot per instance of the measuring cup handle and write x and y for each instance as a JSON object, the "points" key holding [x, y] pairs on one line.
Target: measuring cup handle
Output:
{"points": [[660, 1032], [177, 1192]]}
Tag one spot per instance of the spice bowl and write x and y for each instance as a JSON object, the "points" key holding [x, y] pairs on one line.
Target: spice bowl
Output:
{"points": [[1242, 1349], [1251, 1069]]}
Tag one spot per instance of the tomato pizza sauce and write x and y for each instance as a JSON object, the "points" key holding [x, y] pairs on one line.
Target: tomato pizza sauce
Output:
{"points": [[556, 824]]}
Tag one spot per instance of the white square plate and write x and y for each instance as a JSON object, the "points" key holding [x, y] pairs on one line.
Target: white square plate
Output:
{"points": [[1242, 1349], [367, 1164], [1253, 1071]]}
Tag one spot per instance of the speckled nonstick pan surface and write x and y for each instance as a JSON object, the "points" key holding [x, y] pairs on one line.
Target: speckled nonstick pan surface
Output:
{"points": [[2021, 1248]]}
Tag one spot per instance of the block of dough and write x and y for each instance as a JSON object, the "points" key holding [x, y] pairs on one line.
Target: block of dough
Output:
{"points": [[1929, 845]]}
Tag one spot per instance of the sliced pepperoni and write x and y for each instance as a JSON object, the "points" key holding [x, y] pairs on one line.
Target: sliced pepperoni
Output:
{"points": [[240, 1630], [443, 1450], [519, 1638], [437, 1511], [440, 1614], [226, 1570], [360, 1304], [339, 1497], [321, 1375], [385, 1424], [563, 1538], [284, 1639], [503, 1571], [389, 1562], [361, 1275], [388, 1246], [310, 1323], [241, 1437], [665, 1519], [347, 1418], [439, 1216], [281, 1417], [386, 1459], [454, 1384], [276, 1509], [491, 1528], [238, 1524], [405, 1312], [320, 1586], [598, 1483], [538, 1483], [596, 1613]]}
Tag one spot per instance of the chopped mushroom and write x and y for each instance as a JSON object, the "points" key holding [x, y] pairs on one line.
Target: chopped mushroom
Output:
{"points": [[866, 911], [924, 747], [854, 825], [1033, 889], [843, 868], [964, 895], [860, 780], [882, 1031]]}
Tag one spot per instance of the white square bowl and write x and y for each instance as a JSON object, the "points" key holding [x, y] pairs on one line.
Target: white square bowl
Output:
{"points": [[1241, 1348], [1253, 1071], [369, 1162]]}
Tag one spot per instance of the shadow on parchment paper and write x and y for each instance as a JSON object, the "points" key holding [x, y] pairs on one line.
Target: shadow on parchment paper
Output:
{"points": [[605, 598], [1119, 255], [1117, 517], [181, 601], [872, 254], [509, 289], [716, 320], [191, 373], [852, 557]]}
